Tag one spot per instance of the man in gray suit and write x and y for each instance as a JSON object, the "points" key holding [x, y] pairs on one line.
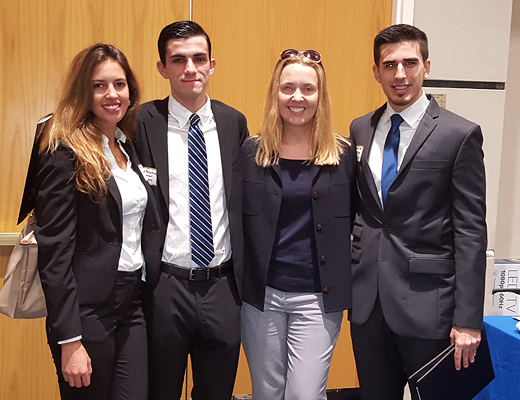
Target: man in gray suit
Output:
{"points": [[419, 250]]}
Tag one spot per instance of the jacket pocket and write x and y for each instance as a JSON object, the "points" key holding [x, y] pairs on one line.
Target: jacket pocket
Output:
{"points": [[440, 266], [430, 164]]}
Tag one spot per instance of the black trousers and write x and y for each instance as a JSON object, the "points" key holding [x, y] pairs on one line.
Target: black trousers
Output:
{"points": [[114, 336], [202, 319], [385, 360]]}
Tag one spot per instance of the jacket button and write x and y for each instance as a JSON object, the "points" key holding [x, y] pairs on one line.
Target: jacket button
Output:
{"points": [[322, 259], [319, 227], [161, 248], [315, 195], [325, 289]]}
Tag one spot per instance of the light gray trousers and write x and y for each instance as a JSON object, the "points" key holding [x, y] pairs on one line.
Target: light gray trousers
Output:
{"points": [[289, 345]]}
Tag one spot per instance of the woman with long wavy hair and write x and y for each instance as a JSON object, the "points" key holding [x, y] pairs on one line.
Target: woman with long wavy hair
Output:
{"points": [[96, 228], [298, 177]]}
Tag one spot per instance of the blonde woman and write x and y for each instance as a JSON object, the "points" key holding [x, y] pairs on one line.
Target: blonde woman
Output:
{"points": [[298, 179], [92, 205]]}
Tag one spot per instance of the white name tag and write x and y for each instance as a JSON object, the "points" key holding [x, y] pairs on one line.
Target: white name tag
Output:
{"points": [[359, 152], [150, 174]]}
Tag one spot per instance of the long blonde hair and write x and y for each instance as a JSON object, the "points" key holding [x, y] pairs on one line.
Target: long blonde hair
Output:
{"points": [[73, 121], [326, 147]]}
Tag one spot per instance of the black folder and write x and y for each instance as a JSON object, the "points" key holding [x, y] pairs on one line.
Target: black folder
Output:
{"points": [[438, 379]]}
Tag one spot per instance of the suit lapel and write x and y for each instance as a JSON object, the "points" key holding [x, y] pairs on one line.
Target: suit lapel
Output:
{"points": [[315, 171], [224, 127], [157, 132], [131, 153], [114, 192], [367, 172], [277, 173], [424, 130]]}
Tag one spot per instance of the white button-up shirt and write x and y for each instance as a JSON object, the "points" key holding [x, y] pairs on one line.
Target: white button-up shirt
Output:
{"points": [[134, 199], [177, 247], [412, 116]]}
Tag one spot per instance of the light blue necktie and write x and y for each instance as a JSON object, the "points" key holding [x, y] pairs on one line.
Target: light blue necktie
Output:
{"points": [[201, 234], [390, 152]]}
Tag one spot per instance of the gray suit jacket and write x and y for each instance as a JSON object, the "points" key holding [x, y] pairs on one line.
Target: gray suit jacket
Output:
{"points": [[152, 147], [424, 254]]}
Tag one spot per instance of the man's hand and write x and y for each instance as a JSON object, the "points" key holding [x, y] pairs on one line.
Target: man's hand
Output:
{"points": [[466, 342], [75, 364]]}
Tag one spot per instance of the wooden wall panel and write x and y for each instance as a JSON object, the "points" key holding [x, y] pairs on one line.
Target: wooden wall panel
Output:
{"points": [[248, 37], [38, 39]]}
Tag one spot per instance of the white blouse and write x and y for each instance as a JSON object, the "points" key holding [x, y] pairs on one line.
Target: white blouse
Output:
{"points": [[134, 199]]}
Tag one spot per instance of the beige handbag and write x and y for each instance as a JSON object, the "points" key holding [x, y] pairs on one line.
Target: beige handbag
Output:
{"points": [[22, 293]]}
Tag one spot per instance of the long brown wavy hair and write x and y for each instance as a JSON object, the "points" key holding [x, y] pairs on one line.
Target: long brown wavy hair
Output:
{"points": [[74, 123]]}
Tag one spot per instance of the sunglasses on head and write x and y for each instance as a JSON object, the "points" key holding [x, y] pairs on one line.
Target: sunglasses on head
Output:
{"points": [[311, 55]]}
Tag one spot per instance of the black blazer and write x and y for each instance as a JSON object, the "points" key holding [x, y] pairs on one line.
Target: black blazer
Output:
{"points": [[79, 240], [332, 187], [152, 147], [424, 254]]}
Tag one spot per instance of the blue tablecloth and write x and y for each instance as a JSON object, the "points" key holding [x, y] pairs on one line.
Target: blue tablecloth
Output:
{"points": [[504, 345]]}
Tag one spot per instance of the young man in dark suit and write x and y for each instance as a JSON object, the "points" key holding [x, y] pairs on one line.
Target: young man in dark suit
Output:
{"points": [[419, 250], [189, 147]]}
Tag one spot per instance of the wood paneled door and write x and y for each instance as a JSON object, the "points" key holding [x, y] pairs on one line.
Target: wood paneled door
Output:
{"points": [[39, 38]]}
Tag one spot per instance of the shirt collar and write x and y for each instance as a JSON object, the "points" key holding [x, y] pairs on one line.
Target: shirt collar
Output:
{"points": [[119, 136], [181, 114], [411, 114]]}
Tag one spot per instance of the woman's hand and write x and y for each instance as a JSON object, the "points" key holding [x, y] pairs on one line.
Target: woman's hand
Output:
{"points": [[75, 364]]}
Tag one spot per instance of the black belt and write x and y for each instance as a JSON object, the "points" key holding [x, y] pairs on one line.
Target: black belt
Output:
{"points": [[196, 274]]}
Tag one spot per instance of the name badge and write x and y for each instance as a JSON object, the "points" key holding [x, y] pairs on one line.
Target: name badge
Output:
{"points": [[359, 152], [150, 174]]}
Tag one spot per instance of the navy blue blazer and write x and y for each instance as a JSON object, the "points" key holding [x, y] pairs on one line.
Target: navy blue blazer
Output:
{"points": [[79, 239], [332, 187]]}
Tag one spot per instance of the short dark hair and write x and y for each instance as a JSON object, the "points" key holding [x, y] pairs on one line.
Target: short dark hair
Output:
{"points": [[400, 33], [180, 30]]}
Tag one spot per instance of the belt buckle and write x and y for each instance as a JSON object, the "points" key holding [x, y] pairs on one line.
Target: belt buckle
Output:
{"points": [[207, 274], [190, 275]]}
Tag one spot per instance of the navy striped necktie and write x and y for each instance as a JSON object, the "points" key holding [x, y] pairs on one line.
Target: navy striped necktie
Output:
{"points": [[390, 154], [201, 233]]}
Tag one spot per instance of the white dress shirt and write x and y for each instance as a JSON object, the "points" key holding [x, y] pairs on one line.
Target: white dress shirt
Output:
{"points": [[412, 116], [177, 248], [134, 199]]}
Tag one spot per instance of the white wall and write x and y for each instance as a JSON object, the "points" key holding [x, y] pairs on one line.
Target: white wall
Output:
{"points": [[469, 41], [508, 219]]}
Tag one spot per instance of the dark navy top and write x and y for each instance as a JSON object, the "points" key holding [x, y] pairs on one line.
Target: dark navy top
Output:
{"points": [[294, 265]]}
